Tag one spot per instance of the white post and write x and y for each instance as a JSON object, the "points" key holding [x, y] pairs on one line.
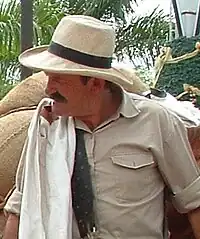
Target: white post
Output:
{"points": [[197, 22], [187, 14], [171, 23]]}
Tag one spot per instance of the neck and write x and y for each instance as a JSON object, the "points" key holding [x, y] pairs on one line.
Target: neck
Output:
{"points": [[107, 107]]}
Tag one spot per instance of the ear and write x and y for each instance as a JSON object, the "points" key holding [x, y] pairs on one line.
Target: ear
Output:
{"points": [[96, 85]]}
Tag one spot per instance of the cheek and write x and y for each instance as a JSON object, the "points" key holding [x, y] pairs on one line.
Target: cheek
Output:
{"points": [[59, 106], [78, 96], [70, 92]]}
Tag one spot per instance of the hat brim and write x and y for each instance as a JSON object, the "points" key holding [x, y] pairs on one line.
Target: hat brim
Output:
{"points": [[39, 58]]}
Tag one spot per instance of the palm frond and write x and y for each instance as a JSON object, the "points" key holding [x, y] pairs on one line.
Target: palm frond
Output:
{"points": [[9, 35], [101, 9], [142, 37], [138, 39]]}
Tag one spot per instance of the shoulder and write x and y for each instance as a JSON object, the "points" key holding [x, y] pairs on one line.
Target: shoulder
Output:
{"points": [[153, 109], [146, 104]]}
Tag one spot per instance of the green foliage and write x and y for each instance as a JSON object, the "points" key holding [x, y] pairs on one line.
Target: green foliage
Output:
{"points": [[47, 14], [5, 88], [173, 76], [138, 38], [146, 75], [9, 37], [141, 39], [107, 10]]}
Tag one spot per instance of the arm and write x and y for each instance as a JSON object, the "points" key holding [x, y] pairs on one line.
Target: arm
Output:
{"points": [[13, 205], [194, 215], [11, 229], [180, 170], [194, 218]]}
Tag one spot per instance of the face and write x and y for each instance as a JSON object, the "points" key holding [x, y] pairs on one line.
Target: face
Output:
{"points": [[71, 96]]}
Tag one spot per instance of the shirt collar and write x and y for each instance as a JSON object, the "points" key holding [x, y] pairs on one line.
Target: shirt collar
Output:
{"points": [[128, 108]]}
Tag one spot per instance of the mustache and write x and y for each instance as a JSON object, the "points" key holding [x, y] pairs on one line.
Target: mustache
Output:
{"points": [[58, 97]]}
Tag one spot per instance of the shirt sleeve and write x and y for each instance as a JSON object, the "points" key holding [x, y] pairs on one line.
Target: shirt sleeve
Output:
{"points": [[179, 167]]}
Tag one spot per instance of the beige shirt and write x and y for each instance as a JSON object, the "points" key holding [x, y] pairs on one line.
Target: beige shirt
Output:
{"points": [[130, 155]]}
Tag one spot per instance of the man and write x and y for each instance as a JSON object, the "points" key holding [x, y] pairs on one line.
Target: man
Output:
{"points": [[135, 147], [179, 224]]}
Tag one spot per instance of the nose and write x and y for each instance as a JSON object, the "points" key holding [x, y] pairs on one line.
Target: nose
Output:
{"points": [[51, 87]]}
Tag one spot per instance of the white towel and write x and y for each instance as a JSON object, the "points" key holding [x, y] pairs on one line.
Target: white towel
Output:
{"points": [[46, 209]]}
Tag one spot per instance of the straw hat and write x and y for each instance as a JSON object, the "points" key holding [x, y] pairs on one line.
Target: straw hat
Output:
{"points": [[138, 86], [81, 45]]}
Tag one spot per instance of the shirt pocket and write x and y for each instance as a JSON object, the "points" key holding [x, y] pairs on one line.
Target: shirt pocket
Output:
{"points": [[133, 161], [136, 176]]}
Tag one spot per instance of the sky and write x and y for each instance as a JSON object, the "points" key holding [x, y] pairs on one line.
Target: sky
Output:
{"points": [[146, 6]]}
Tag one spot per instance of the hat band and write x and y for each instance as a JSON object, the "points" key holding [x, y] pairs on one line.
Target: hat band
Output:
{"points": [[79, 57]]}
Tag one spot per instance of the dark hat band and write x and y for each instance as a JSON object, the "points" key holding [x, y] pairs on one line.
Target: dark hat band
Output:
{"points": [[79, 57]]}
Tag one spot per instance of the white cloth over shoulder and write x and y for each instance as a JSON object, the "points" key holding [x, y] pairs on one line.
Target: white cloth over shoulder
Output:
{"points": [[183, 109], [46, 209]]}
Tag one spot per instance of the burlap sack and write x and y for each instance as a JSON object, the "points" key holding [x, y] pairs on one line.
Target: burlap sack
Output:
{"points": [[2, 224], [27, 93], [13, 131]]}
